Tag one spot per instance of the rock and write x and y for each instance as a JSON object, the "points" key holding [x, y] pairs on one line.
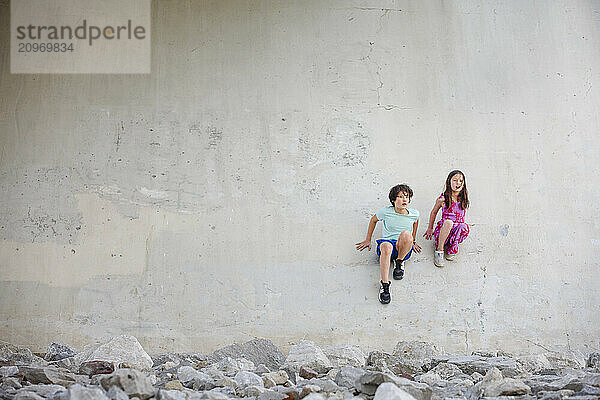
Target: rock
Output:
{"points": [[307, 373], [191, 359], [189, 377], [47, 375], [429, 378], [470, 364], [348, 376], [16, 355], [262, 369], [332, 373], [369, 382], [9, 371], [570, 359], [246, 378], [116, 393], [165, 394], [44, 390], [25, 395], [308, 389], [123, 350], [416, 353], [306, 353], [226, 382], [593, 361], [131, 381], [271, 395], [10, 382], [345, 356], [91, 368], [276, 378], [389, 391], [449, 371], [174, 385], [315, 396], [326, 385], [476, 377], [259, 351], [58, 351], [388, 363], [230, 366], [80, 392], [506, 387]]}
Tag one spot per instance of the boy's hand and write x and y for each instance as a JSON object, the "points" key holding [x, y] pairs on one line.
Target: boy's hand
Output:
{"points": [[428, 234], [417, 248], [363, 245]]}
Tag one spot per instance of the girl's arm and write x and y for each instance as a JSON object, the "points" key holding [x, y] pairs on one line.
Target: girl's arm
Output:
{"points": [[414, 233], [436, 207], [367, 242]]}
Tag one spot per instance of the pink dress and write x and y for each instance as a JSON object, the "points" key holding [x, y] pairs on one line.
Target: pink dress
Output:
{"points": [[459, 231]]}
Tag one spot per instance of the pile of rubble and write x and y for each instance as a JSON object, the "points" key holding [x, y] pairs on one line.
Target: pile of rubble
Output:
{"points": [[120, 369]]}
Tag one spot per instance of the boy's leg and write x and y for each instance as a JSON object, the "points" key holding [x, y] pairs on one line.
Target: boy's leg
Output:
{"points": [[386, 249], [404, 244], [444, 233]]}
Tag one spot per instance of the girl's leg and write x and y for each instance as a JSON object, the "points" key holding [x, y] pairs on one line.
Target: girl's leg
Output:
{"points": [[386, 249], [461, 232], [444, 232], [404, 244]]}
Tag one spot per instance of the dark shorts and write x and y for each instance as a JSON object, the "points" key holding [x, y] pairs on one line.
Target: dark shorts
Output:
{"points": [[395, 251]]}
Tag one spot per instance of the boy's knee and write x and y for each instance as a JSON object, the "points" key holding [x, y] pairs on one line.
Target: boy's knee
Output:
{"points": [[405, 237], [386, 248]]}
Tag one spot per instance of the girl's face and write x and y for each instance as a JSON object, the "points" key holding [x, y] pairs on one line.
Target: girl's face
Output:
{"points": [[456, 182]]}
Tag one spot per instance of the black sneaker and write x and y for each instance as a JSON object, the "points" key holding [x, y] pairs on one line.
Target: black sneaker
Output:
{"points": [[399, 270], [384, 292]]}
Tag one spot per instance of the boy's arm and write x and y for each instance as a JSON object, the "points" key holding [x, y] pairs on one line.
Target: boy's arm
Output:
{"points": [[414, 233], [367, 242]]}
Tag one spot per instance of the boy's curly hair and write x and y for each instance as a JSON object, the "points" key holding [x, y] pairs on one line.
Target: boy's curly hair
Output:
{"points": [[400, 188]]}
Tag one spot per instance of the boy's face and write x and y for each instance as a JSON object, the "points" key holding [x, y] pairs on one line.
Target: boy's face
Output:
{"points": [[402, 200]]}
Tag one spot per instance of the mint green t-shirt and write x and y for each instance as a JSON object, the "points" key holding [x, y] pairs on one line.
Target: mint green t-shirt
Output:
{"points": [[394, 224]]}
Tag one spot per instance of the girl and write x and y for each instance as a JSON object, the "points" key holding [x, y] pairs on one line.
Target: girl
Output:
{"points": [[451, 229]]}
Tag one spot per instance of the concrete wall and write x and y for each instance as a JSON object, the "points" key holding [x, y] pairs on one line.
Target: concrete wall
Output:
{"points": [[220, 197]]}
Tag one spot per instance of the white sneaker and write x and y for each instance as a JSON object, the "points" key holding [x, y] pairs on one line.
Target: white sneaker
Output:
{"points": [[438, 258]]}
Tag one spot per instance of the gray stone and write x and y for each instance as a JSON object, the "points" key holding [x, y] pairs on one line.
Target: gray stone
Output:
{"points": [[348, 375], [91, 368], [246, 378], [305, 390], [11, 382], [47, 375], [131, 381], [326, 385], [388, 363], [190, 377], [123, 351], [44, 390], [277, 378], [26, 395], [470, 364], [262, 369], [80, 392], [448, 371], [164, 394], [306, 353], [495, 385], [389, 391], [416, 353], [429, 378], [271, 395], [307, 373], [10, 370], [192, 359], [230, 366], [315, 396], [58, 351], [116, 393], [17, 355], [345, 356], [259, 351], [225, 382], [369, 382]]}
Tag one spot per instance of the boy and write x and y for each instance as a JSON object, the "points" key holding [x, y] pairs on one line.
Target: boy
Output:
{"points": [[399, 232]]}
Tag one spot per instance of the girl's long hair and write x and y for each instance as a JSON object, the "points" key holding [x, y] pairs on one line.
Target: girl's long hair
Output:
{"points": [[463, 196]]}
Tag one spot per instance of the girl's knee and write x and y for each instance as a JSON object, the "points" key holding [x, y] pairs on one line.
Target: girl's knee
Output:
{"points": [[448, 223]]}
